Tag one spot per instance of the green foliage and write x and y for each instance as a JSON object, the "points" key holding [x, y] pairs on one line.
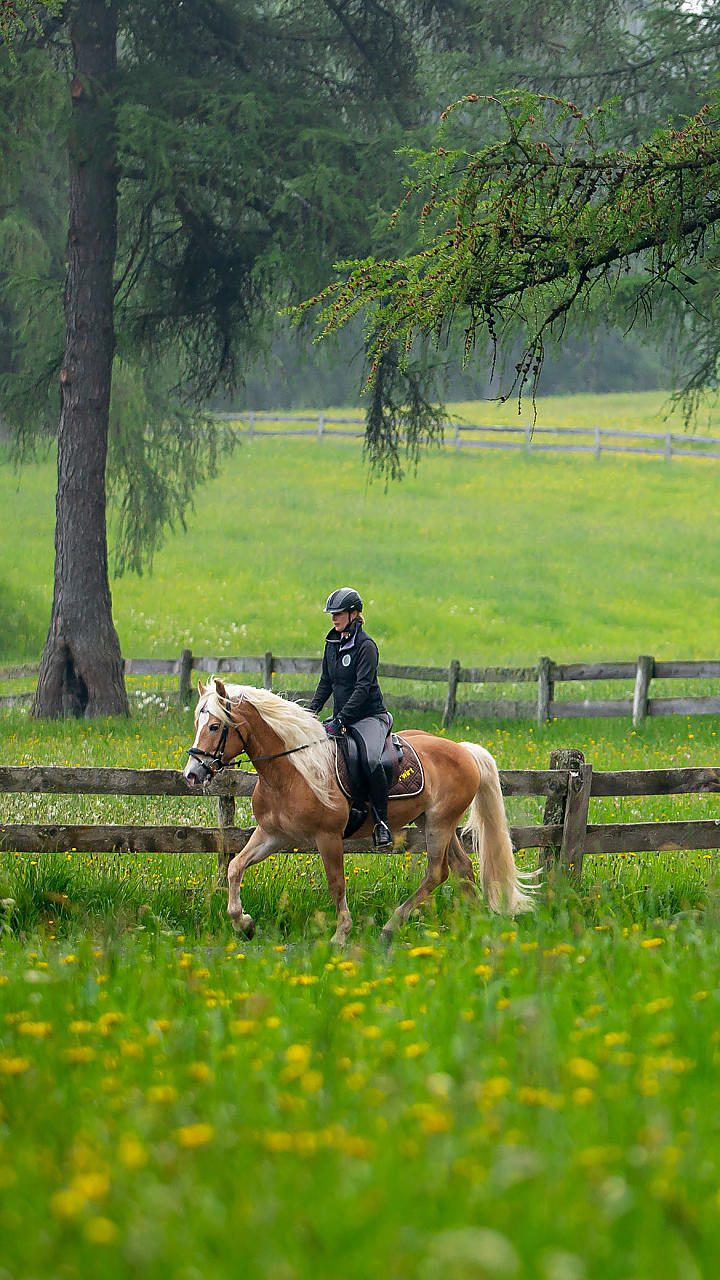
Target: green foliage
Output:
{"points": [[527, 230], [17, 16], [253, 144], [159, 453]]}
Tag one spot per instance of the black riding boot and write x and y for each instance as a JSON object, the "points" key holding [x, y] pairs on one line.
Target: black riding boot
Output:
{"points": [[378, 788]]}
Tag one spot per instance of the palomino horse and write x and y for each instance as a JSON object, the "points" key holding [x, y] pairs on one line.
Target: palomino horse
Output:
{"points": [[297, 797]]}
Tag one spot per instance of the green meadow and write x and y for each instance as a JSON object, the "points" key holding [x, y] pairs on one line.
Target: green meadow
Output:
{"points": [[521, 1100], [488, 557]]}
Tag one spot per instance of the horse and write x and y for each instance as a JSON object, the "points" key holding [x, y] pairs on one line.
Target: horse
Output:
{"points": [[297, 798]]}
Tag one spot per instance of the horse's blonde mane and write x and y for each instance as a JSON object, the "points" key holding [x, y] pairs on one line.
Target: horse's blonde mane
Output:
{"points": [[294, 726]]}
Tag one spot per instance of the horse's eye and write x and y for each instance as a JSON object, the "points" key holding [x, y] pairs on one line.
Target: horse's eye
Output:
{"points": [[213, 728]]}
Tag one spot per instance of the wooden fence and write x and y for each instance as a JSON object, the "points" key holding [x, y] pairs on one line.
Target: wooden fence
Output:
{"points": [[593, 441], [545, 676], [565, 835]]}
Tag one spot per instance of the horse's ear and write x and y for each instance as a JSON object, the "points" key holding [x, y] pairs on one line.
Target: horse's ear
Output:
{"points": [[201, 688], [220, 688]]}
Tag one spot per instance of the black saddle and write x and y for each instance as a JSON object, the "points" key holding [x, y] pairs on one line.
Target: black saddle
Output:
{"points": [[390, 760], [353, 780]]}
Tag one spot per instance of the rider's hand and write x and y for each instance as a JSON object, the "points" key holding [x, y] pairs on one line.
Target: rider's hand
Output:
{"points": [[334, 727]]}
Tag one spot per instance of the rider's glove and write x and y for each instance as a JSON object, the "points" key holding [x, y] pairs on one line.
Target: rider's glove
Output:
{"points": [[334, 727]]}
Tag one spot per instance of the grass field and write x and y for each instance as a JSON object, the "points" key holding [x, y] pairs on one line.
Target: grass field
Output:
{"points": [[488, 558], [529, 1100]]}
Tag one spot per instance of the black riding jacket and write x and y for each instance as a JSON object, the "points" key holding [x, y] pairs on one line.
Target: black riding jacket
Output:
{"points": [[349, 673]]}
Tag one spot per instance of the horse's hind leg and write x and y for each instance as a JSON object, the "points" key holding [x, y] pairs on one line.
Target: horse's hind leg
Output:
{"points": [[438, 840], [330, 848], [462, 867]]}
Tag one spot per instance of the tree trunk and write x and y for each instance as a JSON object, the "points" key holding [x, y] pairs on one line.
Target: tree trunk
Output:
{"points": [[81, 670]]}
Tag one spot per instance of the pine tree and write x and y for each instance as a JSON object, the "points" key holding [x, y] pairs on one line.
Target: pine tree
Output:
{"points": [[222, 154]]}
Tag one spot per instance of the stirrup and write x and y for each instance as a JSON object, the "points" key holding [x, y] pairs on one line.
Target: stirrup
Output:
{"points": [[382, 836]]}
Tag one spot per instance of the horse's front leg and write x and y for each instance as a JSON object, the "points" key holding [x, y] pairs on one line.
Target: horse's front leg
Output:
{"points": [[330, 848], [259, 847]]}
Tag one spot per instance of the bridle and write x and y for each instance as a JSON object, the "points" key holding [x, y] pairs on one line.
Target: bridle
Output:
{"points": [[212, 761]]}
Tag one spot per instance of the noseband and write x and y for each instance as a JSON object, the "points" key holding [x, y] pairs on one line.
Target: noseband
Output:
{"points": [[212, 761]]}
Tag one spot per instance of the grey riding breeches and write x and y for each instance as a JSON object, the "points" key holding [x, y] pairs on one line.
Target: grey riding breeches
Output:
{"points": [[370, 735]]}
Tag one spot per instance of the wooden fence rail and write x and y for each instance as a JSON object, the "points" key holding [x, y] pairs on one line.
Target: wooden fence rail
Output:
{"points": [[546, 676], [565, 836], [458, 435]]}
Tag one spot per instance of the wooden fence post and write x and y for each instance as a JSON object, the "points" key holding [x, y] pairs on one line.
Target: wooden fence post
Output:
{"points": [[226, 818], [546, 689], [457, 441], [555, 806], [451, 697], [321, 426], [251, 423], [597, 443], [574, 835], [643, 676], [267, 671], [185, 676]]}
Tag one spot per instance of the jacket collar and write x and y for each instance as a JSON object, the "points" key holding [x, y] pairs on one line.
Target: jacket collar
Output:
{"points": [[346, 639]]}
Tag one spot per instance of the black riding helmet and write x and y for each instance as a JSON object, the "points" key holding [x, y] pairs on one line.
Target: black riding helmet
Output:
{"points": [[342, 600]]}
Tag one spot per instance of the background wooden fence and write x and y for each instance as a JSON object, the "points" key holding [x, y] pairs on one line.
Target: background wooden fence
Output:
{"points": [[565, 835], [593, 440], [545, 676]]}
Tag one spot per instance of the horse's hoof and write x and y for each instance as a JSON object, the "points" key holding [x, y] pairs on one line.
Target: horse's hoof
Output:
{"points": [[386, 937], [245, 926]]}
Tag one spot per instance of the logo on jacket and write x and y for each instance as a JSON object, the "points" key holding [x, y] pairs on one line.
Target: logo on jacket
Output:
{"points": [[346, 660]]}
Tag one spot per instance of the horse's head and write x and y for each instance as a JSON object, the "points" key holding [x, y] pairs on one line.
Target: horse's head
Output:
{"points": [[217, 740]]}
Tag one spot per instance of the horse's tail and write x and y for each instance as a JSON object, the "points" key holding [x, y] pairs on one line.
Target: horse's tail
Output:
{"points": [[505, 888]]}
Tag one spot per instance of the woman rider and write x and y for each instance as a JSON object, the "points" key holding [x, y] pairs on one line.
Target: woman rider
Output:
{"points": [[349, 672]]}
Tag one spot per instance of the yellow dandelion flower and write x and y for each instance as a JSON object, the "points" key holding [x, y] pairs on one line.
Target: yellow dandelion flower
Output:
{"points": [[200, 1071], [100, 1231], [615, 1037], [657, 1006], [195, 1135], [483, 971], [93, 1185], [131, 1152], [277, 1141], [298, 1054], [67, 1203], [162, 1093], [583, 1069], [79, 1053], [422, 952], [583, 1096], [13, 1066], [647, 943], [37, 1030], [352, 1010], [416, 1050]]}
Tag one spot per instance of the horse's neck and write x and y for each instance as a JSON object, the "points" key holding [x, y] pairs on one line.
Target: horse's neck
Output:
{"points": [[262, 741]]}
